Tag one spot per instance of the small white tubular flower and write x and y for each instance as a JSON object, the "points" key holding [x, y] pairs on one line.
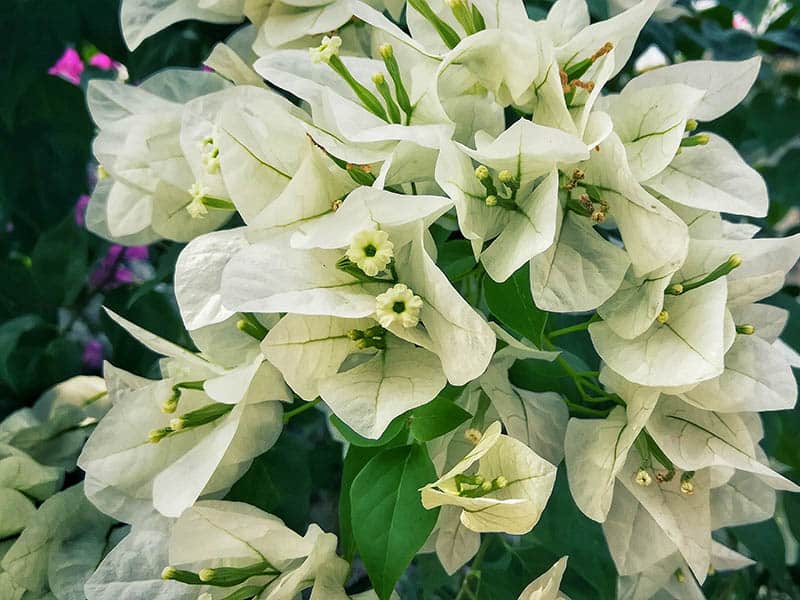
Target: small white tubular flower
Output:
{"points": [[398, 304], [371, 250], [643, 478], [196, 208], [325, 51]]}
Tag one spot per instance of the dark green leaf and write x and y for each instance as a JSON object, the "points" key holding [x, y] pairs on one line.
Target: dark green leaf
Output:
{"points": [[436, 418], [765, 543], [279, 482], [394, 428], [511, 303], [60, 262], [456, 258], [389, 522]]}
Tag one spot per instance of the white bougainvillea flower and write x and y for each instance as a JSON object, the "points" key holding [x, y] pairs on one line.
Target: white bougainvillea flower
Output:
{"points": [[656, 238], [545, 587], [269, 277], [518, 205], [672, 576], [581, 270], [354, 126], [754, 367], [507, 491], [365, 209], [725, 84], [750, 269], [726, 482], [684, 346], [310, 352], [142, 18], [454, 543], [214, 536], [263, 148], [651, 122], [694, 439], [198, 274], [596, 451], [167, 442], [438, 94], [712, 177], [146, 190], [647, 523]]}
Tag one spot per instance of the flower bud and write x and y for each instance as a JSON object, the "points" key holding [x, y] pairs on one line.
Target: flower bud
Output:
{"points": [[663, 317], [676, 289], [482, 172], [386, 51], [473, 435], [746, 329], [500, 482], [491, 200], [734, 261], [156, 435]]}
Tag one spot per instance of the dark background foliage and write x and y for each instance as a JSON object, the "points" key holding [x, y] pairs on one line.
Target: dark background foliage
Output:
{"points": [[50, 303]]}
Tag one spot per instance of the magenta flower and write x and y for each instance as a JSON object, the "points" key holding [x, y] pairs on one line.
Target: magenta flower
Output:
{"points": [[114, 269], [103, 62], [69, 67], [92, 357], [80, 210]]}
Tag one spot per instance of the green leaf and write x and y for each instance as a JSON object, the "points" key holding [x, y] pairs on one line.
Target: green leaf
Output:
{"points": [[355, 460], [765, 543], [436, 418], [279, 482], [512, 304], [394, 428], [456, 258], [10, 332], [60, 262], [389, 522]]}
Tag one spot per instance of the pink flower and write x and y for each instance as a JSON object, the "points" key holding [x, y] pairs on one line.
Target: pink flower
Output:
{"points": [[80, 210], [103, 62], [69, 67], [742, 23]]}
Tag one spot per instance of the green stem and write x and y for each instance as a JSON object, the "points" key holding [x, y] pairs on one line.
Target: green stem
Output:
{"points": [[465, 592], [573, 328], [308, 406]]}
